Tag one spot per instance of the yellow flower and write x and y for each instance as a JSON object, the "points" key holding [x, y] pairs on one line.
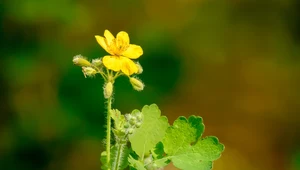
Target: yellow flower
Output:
{"points": [[121, 52]]}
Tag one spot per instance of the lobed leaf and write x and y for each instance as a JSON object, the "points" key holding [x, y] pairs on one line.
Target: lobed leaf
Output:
{"points": [[151, 132], [186, 150]]}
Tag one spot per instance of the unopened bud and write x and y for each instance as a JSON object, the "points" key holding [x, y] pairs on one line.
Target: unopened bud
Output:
{"points": [[126, 125], [88, 71], [97, 62], [119, 132], [128, 116], [138, 124], [122, 132], [140, 68], [79, 60], [108, 90], [136, 83], [139, 116], [132, 121]]}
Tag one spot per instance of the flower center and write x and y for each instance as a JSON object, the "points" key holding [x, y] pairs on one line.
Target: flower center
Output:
{"points": [[118, 47]]}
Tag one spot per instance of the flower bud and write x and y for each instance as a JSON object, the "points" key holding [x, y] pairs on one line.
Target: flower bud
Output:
{"points": [[97, 62], [122, 131], [119, 132], [126, 125], [138, 124], [136, 83], [79, 60], [132, 121], [88, 71], [128, 116], [108, 90], [139, 116], [140, 68]]}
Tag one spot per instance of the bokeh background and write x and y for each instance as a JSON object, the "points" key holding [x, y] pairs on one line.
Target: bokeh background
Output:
{"points": [[234, 62]]}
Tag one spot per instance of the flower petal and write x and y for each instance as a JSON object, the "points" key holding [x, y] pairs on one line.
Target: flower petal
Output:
{"points": [[101, 42], [112, 62], [133, 51], [109, 37], [128, 66], [122, 39]]}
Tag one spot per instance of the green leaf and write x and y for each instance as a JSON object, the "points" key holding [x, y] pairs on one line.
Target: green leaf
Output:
{"points": [[135, 163], [152, 130], [161, 162], [186, 150], [158, 151], [118, 118], [158, 156]]}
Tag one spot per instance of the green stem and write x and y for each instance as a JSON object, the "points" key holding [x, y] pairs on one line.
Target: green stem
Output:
{"points": [[119, 156], [108, 130]]}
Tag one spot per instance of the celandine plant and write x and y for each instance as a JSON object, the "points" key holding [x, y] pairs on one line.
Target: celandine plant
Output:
{"points": [[143, 139]]}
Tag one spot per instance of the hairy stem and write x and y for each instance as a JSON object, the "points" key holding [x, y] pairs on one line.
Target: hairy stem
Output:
{"points": [[119, 155], [108, 130]]}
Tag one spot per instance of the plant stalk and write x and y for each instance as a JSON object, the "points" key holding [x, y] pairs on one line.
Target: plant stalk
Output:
{"points": [[119, 155], [108, 131]]}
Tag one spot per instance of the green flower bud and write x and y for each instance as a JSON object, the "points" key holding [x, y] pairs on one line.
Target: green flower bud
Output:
{"points": [[136, 83], [140, 68], [119, 132], [122, 131], [139, 116], [128, 116], [132, 121], [79, 60], [138, 124], [97, 62], [126, 125], [108, 90], [88, 71]]}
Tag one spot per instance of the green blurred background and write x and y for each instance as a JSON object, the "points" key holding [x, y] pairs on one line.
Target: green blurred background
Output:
{"points": [[235, 63]]}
